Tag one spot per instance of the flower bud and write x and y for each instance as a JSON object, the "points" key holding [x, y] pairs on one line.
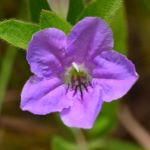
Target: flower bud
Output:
{"points": [[60, 7]]}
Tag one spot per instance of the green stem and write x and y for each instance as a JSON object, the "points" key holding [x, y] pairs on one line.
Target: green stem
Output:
{"points": [[80, 139]]}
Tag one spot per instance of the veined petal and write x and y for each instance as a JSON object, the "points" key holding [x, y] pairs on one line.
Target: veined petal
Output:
{"points": [[46, 52], [83, 112], [89, 37], [114, 73], [42, 96]]}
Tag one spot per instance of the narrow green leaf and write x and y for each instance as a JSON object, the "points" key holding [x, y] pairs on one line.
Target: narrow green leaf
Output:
{"points": [[75, 8], [49, 19], [101, 8], [5, 71], [35, 8], [17, 33], [119, 27]]}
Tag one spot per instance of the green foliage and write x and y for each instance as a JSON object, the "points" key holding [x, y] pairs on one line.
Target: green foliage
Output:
{"points": [[120, 145], [105, 121], [112, 144], [75, 8], [50, 19], [60, 144], [119, 27], [145, 4], [35, 8], [101, 8], [17, 33], [5, 71]]}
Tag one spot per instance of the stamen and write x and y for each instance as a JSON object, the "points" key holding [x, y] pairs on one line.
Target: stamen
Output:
{"points": [[81, 92], [80, 88], [78, 80], [67, 88], [75, 90], [85, 87]]}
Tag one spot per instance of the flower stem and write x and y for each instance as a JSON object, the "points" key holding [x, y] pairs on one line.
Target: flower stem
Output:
{"points": [[80, 139]]}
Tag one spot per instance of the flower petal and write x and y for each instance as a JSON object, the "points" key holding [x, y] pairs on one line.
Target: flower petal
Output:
{"points": [[46, 52], [88, 38], [83, 112], [114, 73], [42, 96]]}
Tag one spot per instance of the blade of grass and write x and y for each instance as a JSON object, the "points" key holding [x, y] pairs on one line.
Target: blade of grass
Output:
{"points": [[6, 68]]}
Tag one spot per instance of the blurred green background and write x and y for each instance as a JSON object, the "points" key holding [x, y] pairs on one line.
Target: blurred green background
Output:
{"points": [[121, 125]]}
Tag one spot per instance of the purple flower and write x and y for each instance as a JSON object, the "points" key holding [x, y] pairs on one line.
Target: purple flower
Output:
{"points": [[75, 74]]}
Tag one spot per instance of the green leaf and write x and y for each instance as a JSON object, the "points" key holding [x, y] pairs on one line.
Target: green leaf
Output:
{"points": [[6, 68], [60, 144], [105, 121], [49, 19], [121, 145], [119, 28], [17, 33], [75, 8], [35, 8], [102, 8], [101, 127], [145, 5], [112, 144]]}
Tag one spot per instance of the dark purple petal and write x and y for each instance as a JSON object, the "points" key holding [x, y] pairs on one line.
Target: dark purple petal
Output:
{"points": [[42, 96], [46, 52], [114, 73], [88, 38], [83, 112]]}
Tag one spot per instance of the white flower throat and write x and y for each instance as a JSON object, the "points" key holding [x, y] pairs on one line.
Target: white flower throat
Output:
{"points": [[77, 79]]}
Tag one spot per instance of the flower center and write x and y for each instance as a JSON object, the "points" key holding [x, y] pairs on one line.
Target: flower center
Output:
{"points": [[77, 79]]}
